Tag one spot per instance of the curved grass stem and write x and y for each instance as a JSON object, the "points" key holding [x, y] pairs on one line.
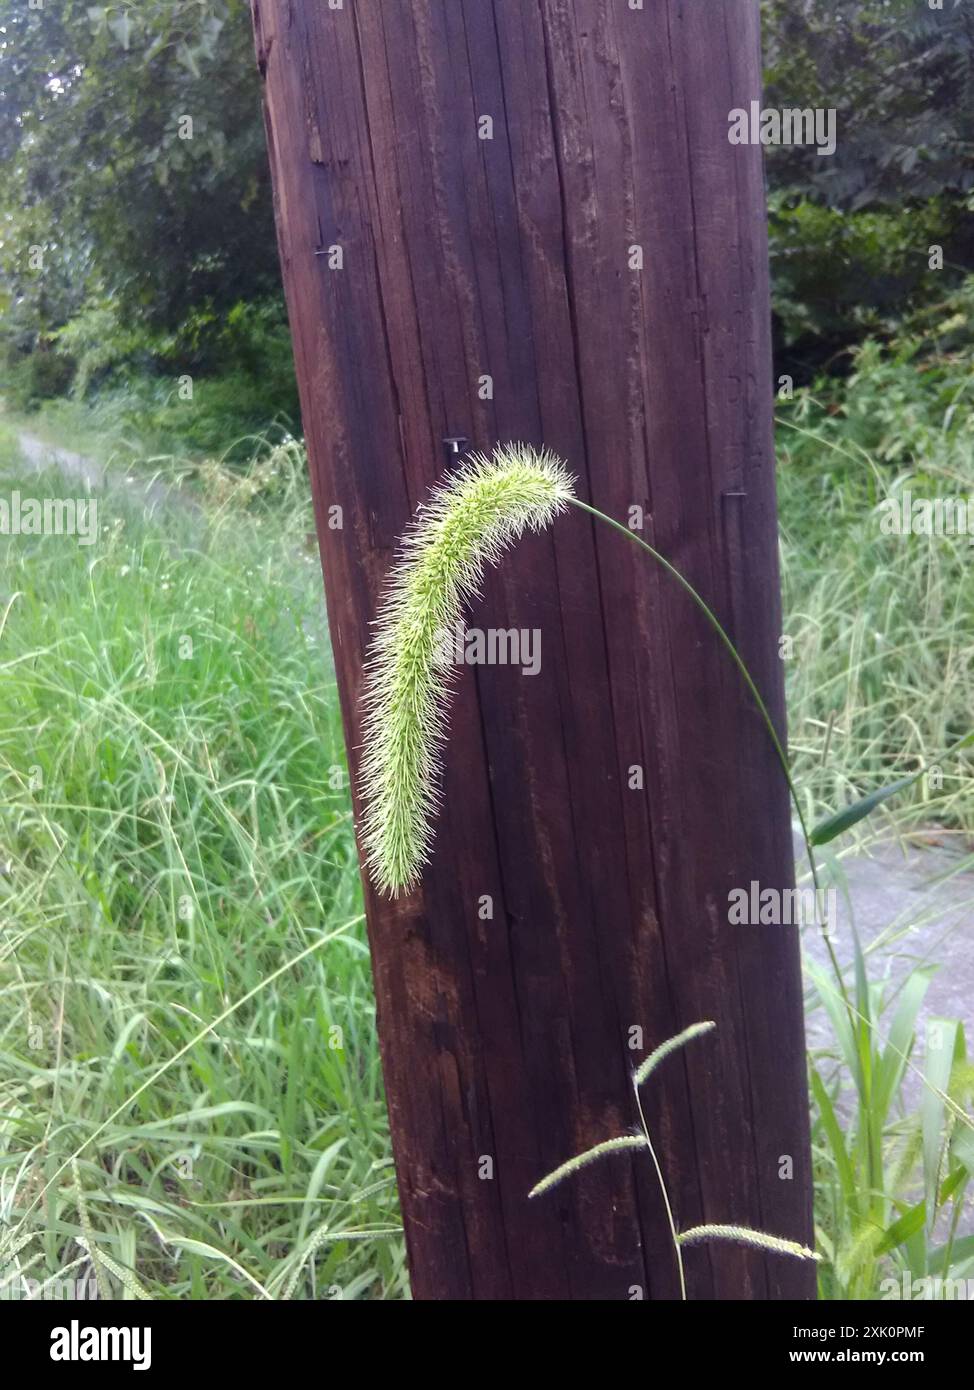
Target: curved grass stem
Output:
{"points": [[763, 710], [666, 1196]]}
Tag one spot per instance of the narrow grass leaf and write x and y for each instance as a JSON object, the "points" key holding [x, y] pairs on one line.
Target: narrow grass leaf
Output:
{"points": [[833, 826], [836, 1139], [900, 1039], [902, 1229], [943, 1039]]}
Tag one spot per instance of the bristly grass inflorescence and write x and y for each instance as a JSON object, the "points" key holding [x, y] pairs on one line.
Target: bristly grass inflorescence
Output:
{"points": [[741, 1235], [469, 521]]}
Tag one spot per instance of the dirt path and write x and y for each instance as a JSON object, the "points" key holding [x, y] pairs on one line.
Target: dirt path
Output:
{"points": [[153, 492], [911, 907], [39, 455]]}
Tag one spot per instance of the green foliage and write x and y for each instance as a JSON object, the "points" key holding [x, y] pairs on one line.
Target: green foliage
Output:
{"points": [[185, 986], [880, 682], [840, 275], [97, 341], [167, 243], [33, 377], [898, 74], [104, 172], [850, 233], [142, 392], [891, 1172], [136, 227]]}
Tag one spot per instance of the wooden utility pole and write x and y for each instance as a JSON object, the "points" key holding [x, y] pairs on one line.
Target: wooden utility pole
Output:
{"points": [[523, 220]]}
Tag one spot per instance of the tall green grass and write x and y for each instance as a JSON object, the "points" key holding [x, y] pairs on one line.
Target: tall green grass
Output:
{"points": [[881, 671], [175, 827], [880, 683], [892, 1176]]}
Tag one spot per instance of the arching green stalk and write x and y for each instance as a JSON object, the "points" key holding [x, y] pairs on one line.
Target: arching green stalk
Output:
{"points": [[763, 710], [471, 518]]}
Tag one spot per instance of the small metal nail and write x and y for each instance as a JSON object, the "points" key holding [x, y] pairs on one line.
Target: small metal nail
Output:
{"points": [[454, 445]]}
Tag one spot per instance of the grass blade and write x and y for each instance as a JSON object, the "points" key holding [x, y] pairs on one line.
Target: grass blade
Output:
{"points": [[833, 826]]}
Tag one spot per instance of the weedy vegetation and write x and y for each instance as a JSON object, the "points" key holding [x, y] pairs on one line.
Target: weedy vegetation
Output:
{"points": [[694, 1235], [186, 994], [180, 914]]}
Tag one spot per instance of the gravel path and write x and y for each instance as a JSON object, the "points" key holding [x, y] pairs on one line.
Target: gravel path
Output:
{"points": [[911, 907], [154, 493]]}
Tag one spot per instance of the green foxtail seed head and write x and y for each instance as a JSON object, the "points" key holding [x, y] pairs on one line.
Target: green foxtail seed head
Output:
{"points": [[743, 1235], [696, 1030], [608, 1146], [467, 524]]}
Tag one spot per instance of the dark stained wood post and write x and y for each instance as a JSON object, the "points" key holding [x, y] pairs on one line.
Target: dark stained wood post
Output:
{"points": [[523, 219]]}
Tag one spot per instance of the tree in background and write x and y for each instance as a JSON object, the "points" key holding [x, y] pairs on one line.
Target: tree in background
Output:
{"points": [[850, 233], [136, 170], [135, 167]]}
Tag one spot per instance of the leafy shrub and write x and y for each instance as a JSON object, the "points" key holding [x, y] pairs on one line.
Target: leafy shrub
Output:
{"points": [[903, 399], [838, 276], [206, 388], [37, 376]]}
